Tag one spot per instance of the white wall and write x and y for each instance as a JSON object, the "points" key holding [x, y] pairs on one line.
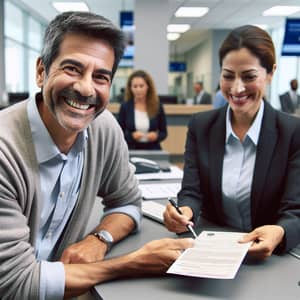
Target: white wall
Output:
{"points": [[151, 44], [199, 64], [2, 68]]}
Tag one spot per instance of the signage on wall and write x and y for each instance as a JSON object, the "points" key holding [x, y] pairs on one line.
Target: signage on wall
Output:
{"points": [[291, 41], [176, 66], [127, 25]]}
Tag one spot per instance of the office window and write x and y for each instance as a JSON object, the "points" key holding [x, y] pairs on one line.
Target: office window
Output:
{"points": [[14, 67], [13, 25], [34, 34], [23, 41], [287, 69]]}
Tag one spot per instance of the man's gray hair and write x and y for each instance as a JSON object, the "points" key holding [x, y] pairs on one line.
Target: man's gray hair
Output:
{"points": [[85, 23]]}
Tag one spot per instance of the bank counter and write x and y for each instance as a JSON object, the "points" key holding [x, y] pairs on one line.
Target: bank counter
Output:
{"points": [[178, 116]]}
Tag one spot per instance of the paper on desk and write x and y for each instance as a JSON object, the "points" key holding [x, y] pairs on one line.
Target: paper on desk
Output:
{"points": [[159, 190], [175, 173], [215, 255]]}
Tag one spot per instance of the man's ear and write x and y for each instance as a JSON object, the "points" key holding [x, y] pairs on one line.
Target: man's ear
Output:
{"points": [[40, 73]]}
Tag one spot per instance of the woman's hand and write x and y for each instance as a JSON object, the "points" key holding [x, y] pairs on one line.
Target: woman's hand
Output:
{"points": [[152, 136], [265, 240], [138, 135], [176, 222]]}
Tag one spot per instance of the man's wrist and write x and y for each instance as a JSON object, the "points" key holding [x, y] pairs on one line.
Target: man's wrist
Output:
{"points": [[105, 237]]}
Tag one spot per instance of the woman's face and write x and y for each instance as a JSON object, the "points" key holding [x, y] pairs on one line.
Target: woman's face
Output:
{"points": [[243, 82], [139, 88]]}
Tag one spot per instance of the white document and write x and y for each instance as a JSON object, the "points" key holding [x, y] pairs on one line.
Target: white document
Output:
{"points": [[153, 210], [215, 255], [175, 173], [159, 190]]}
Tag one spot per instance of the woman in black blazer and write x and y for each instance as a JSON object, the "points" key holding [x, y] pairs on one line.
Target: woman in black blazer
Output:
{"points": [[142, 116], [242, 161]]}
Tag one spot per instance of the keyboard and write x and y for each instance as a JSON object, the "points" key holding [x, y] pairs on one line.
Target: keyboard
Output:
{"points": [[153, 210]]}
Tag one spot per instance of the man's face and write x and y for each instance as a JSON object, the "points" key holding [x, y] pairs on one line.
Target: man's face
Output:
{"points": [[294, 85], [76, 88], [197, 88]]}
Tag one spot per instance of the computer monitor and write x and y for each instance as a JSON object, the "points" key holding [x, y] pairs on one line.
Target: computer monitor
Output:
{"points": [[168, 99]]}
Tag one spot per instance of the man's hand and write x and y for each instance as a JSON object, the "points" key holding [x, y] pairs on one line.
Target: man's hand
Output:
{"points": [[90, 249], [156, 256], [176, 222], [265, 240]]}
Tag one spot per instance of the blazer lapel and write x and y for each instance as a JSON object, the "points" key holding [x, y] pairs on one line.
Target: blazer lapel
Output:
{"points": [[216, 156], [264, 153]]}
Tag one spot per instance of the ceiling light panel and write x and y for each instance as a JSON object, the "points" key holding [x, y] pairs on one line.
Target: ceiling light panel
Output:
{"points": [[178, 27], [191, 12], [281, 10], [70, 6], [173, 36]]}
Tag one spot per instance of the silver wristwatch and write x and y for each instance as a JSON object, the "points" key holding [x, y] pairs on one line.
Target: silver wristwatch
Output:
{"points": [[105, 237]]}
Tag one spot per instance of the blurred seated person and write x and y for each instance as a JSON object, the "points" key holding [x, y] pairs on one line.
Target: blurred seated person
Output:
{"points": [[219, 100], [141, 115], [201, 96], [290, 100], [233, 153], [120, 97]]}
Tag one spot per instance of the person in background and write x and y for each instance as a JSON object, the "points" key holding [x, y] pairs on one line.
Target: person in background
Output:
{"points": [[219, 100], [58, 151], [201, 96], [242, 162], [120, 97], [142, 116], [290, 100]]}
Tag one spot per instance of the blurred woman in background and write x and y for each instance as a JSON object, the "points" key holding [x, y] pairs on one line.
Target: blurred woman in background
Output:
{"points": [[141, 115]]}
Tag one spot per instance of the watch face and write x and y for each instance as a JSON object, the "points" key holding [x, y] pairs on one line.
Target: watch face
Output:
{"points": [[105, 237]]}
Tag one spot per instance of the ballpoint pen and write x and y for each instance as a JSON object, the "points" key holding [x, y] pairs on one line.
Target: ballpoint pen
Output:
{"points": [[189, 227]]}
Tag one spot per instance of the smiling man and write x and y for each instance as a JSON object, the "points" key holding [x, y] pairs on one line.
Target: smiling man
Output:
{"points": [[58, 151]]}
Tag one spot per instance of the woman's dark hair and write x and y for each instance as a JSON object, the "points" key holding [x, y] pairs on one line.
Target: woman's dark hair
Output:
{"points": [[84, 23], [253, 38]]}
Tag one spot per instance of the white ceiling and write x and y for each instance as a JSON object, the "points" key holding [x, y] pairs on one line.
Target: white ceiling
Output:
{"points": [[223, 14]]}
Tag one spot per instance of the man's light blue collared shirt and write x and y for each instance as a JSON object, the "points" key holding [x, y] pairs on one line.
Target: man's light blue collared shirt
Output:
{"points": [[60, 176], [238, 168]]}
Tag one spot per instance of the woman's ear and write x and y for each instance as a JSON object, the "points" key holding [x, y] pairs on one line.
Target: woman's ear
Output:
{"points": [[274, 68], [40, 73], [270, 75]]}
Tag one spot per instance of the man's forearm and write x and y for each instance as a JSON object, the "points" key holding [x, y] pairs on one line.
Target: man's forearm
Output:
{"points": [[91, 249], [153, 258], [119, 225], [81, 277]]}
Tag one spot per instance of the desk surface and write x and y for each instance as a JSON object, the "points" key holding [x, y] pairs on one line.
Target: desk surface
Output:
{"points": [[277, 278], [171, 109]]}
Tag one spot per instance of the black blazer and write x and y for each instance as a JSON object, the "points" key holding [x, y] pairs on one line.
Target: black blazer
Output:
{"points": [[275, 191], [126, 121]]}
